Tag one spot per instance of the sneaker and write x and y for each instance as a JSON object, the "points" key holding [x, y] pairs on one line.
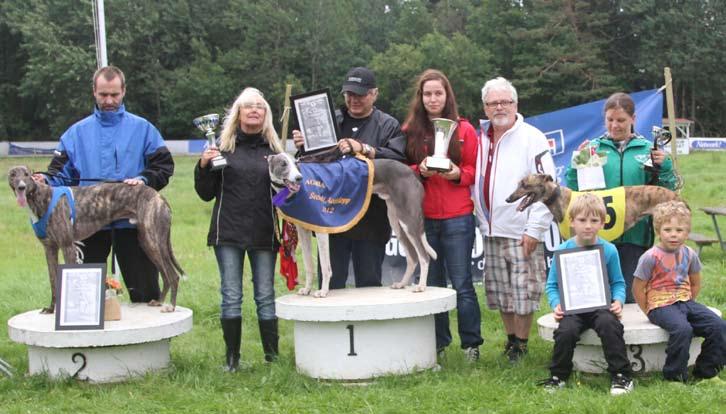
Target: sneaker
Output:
{"points": [[516, 352], [472, 354], [552, 384], [507, 347], [621, 385]]}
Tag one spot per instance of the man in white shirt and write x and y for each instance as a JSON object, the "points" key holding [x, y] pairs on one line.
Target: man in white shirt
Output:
{"points": [[510, 149]]}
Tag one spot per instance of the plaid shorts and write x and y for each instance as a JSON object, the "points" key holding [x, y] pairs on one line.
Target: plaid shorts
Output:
{"points": [[513, 284]]}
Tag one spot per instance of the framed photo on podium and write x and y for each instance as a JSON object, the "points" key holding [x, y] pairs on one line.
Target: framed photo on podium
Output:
{"points": [[80, 296], [315, 115], [582, 278]]}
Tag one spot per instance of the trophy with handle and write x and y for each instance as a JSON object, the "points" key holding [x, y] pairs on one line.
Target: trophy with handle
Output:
{"points": [[443, 130], [208, 123]]}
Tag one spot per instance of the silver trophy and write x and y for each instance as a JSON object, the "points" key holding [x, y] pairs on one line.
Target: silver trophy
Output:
{"points": [[443, 130], [208, 123]]}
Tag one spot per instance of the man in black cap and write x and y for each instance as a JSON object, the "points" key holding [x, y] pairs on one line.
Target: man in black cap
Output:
{"points": [[375, 134]]}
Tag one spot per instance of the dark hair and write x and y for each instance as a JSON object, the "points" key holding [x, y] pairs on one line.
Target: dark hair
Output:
{"points": [[620, 100], [109, 73], [419, 129]]}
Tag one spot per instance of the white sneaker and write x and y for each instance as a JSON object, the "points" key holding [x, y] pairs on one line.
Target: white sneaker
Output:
{"points": [[552, 384], [472, 354], [621, 385]]}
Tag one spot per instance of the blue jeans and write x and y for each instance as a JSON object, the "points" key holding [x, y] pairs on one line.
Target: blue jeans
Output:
{"points": [[230, 260], [453, 240], [367, 258], [683, 320]]}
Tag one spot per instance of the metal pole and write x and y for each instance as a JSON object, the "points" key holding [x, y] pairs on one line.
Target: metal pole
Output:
{"points": [[671, 116], [100, 28]]}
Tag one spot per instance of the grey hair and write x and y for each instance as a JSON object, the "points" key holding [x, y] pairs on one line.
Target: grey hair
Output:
{"points": [[231, 122], [498, 84]]}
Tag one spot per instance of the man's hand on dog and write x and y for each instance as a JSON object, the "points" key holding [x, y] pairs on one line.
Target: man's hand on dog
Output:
{"points": [[39, 178], [134, 181], [349, 145]]}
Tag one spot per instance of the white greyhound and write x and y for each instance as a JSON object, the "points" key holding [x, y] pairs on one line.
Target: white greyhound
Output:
{"points": [[393, 182]]}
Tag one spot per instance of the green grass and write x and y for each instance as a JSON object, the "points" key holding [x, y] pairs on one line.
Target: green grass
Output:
{"points": [[196, 384]]}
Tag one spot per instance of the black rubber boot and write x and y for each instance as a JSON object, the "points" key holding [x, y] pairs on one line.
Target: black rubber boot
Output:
{"points": [[270, 338], [232, 331]]}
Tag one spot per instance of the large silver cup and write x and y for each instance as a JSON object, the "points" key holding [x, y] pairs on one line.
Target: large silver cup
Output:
{"points": [[443, 131], [207, 123]]}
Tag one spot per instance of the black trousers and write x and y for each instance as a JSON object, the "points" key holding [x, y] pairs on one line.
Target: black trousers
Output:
{"points": [[629, 256], [139, 273], [608, 328]]}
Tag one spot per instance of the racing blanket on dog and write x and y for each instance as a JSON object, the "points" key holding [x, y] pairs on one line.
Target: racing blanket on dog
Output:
{"points": [[614, 200], [333, 196], [40, 227]]}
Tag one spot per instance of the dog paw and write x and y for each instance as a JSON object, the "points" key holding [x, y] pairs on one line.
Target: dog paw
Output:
{"points": [[321, 293], [168, 309], [397, 285], [418, 288], [303, 291], [154, 302]]}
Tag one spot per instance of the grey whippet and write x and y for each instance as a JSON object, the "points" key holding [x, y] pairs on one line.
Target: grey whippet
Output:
{"points": [[639, 199], [393, 182], [95, 207]]}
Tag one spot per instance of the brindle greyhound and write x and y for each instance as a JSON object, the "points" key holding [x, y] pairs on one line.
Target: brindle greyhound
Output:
{"points": [[639, 199], [393, 182], [97, 206]]}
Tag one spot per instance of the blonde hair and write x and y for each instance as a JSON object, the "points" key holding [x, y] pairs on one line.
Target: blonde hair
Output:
{"points": [[587, 204], [231, 122], [664, 212]]}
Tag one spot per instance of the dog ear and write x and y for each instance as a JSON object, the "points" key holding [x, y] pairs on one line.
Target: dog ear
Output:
{"points": [[548, 178]]}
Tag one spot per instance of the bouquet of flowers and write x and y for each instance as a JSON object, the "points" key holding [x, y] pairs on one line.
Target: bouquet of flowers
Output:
{"points": [[113, 287], [112, 307], [588, 157], [588, 163]]}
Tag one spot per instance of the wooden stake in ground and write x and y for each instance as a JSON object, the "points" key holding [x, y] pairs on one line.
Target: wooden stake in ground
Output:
{"points": [[285, 116]]}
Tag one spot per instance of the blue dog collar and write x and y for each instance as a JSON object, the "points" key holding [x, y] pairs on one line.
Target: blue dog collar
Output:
{"points": [[41, 226]]}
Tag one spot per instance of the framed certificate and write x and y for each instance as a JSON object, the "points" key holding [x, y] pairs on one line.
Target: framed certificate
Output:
{"points": [[80, 296], [316, 118], [583, 279]]}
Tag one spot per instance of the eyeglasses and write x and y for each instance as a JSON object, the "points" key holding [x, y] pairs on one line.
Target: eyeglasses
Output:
{"points": [[255, 105], [504, 104]]}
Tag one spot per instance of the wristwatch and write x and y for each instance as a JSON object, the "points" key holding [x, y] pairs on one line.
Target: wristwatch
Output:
{"points": [[367, 150]]}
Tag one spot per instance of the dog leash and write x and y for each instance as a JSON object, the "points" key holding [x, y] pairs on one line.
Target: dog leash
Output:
{"points": [[100, 180]]}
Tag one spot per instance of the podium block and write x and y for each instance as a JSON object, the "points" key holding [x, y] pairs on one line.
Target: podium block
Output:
{"points": [[358, 334], [130, 347]]}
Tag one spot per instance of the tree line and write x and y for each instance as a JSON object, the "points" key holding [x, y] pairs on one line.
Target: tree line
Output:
{"points": [[185, 58]]}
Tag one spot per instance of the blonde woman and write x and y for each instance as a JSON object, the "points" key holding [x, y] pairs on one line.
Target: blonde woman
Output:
{"points": [[243, 218]]}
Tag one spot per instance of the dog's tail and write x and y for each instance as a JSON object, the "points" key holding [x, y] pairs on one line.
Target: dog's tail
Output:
{"points": [[430, 250], [177, 266]]}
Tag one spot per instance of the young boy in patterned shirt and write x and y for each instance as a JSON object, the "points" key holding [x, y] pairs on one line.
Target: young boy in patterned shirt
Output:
{"points": [[666, 284]]}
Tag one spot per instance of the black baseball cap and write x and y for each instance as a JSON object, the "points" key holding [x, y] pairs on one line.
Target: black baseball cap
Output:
{"points": [[359, 81]]}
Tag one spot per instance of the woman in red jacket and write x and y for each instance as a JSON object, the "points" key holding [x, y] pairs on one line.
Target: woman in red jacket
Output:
{"points": [[447, 204]]}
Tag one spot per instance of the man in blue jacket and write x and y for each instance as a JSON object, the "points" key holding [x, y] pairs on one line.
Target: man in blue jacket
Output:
{"points": [[112, 144]]}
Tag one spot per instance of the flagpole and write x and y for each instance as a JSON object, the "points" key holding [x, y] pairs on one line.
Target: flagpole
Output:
{"points": [[671, 115], [99, 26]]}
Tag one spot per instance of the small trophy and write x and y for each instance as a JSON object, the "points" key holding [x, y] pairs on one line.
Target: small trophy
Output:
{"points": [[208, 123], [443, 130]]}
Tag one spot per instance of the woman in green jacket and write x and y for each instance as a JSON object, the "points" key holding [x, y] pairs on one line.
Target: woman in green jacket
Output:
{"points": [[627, 153]]}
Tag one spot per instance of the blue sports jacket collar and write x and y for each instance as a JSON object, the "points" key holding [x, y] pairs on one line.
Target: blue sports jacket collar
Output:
{"points": [[107, 118]]}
